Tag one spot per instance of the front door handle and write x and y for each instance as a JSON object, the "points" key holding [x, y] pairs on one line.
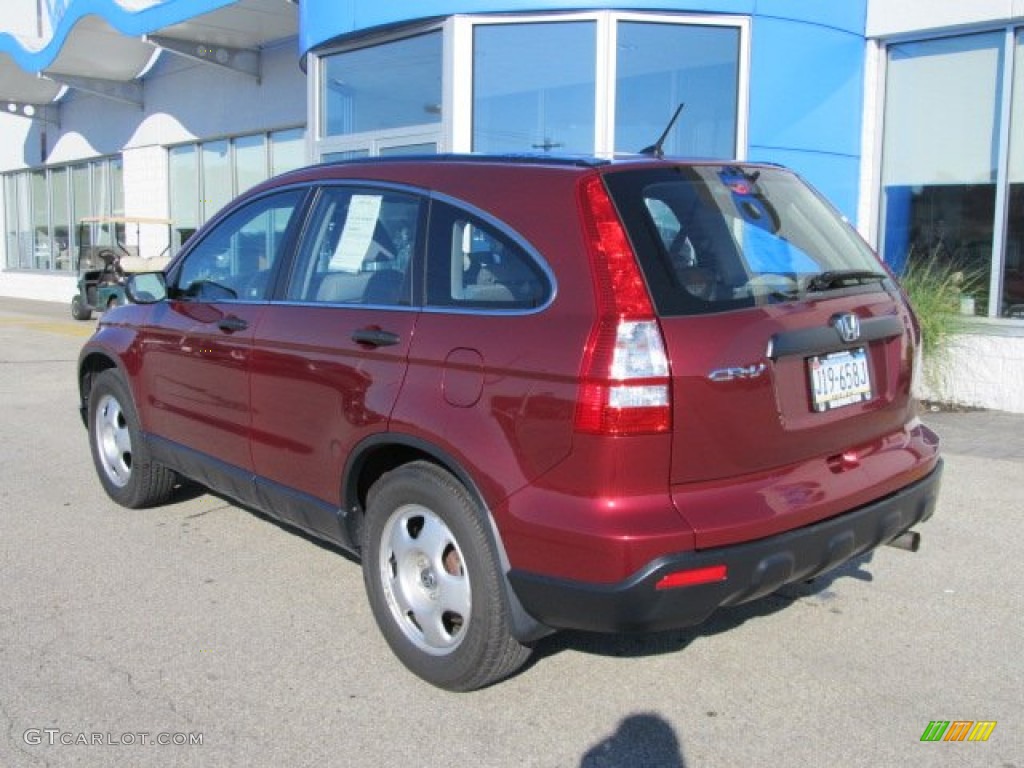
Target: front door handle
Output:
{"points": [[232, 324], [375, 337]]}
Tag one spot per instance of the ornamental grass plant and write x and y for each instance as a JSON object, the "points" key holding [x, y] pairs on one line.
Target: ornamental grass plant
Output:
{"points": [[935, 289]]}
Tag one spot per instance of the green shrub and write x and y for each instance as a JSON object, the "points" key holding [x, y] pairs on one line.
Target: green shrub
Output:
{"points": [[934, 289]]}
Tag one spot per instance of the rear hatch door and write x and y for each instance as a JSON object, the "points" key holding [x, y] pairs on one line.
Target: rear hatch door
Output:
{"points": [[791, 349]]}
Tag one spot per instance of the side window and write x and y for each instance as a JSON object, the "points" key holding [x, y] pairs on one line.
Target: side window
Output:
{"points": [[234, 261], [358, 249], [473, 264]]}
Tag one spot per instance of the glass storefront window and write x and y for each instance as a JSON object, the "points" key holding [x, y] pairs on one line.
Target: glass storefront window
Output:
{"points": [[116, 186], [940, 156], [287, 150], [184, 179], [1013, 265], [572, 83], [102, 204], [534, 87], [41, 247], [662, 65], [391, 85], [60, 194], [11, 219], [250, 161], [44, 206], [216, 162], [205, 177]]}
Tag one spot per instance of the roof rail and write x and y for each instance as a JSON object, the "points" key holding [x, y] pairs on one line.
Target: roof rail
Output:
{"points": [[575, 161]]}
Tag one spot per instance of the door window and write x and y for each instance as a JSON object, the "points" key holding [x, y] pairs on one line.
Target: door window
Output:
{"points": [[235, 261], [359, 249]]}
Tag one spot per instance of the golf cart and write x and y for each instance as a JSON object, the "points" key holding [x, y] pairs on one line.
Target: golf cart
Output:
{"points": [[109, 249]]}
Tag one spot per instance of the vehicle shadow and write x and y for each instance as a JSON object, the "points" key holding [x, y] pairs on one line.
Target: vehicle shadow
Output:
{"points": [[188, 490], [635, 645], [642, 740], [625, 645]]}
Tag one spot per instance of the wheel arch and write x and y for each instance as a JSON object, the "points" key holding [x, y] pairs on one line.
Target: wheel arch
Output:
{"points": [[90, 365], [379, 454]]}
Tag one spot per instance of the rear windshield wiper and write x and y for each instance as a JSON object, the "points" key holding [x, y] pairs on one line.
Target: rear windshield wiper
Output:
{"points": [[841, 278]]}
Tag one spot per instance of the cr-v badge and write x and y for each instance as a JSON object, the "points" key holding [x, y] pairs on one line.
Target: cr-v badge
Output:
{"points": [[729, 374]]}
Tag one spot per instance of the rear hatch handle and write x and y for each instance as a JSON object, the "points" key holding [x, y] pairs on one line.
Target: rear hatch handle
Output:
{"points": [[826, 338]]}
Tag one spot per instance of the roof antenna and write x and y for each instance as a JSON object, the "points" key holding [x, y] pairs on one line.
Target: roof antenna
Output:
{"points": [[656, 148]]}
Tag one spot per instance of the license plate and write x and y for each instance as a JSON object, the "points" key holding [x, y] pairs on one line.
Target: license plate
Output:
{"points": [[839, 378]]}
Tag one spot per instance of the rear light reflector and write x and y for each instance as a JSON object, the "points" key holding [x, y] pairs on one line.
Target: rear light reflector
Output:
{"points": [[691, 578]]}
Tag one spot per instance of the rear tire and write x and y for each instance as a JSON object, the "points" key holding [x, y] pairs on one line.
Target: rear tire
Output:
{"points": [[79, 310], [121, 457], [433, 580]]}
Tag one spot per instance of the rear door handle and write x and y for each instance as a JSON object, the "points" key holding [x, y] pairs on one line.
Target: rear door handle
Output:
{"points": [[232, 324], [375, 337]]}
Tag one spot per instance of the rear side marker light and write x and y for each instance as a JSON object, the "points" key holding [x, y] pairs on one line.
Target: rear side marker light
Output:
{"points": [[692, 578]]}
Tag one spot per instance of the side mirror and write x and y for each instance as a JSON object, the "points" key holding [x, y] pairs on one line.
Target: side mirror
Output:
{"points": [[146, 288]]}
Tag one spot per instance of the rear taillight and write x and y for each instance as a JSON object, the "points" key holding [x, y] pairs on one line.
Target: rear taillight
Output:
{"points": [[625, 386]]}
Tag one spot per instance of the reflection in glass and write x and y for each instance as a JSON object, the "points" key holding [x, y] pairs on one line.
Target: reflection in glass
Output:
{"points": [[216, 176], [426, 148], [940, 156], [250, 162], [1013, 268], [663, 65], [347, 154], [287, 150], [533, 87], [392, 85], [60, 192], [41, 253], [11, 219], [184, 177]]}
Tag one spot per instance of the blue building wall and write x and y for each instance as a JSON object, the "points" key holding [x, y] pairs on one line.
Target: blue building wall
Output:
{"points": [[807, 66], [806, 102]]}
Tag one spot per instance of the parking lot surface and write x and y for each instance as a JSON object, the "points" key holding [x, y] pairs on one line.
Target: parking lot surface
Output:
{"points": [[202, 634]]}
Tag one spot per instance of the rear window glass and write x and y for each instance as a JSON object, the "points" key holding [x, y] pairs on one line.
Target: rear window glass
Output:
{"points": [[714, 238]]}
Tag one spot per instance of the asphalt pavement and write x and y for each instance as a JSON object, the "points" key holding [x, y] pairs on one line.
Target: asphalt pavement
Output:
{"points": [[201, 634]]}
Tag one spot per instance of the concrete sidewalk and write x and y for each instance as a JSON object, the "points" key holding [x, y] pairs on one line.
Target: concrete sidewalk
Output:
{"points": [[987, 434]]}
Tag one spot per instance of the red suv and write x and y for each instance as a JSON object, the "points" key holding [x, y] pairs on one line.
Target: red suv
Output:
{"points": [[530, 394]]}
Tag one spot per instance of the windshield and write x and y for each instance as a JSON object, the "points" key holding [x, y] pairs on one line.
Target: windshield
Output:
{"points": [[719, 237]]}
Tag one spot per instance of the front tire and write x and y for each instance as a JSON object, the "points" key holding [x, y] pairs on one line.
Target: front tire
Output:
{"points": [[433, 581], [121, 457]]}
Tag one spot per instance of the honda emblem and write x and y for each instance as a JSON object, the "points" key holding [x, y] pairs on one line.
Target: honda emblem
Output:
{"points": [[847, 325]]}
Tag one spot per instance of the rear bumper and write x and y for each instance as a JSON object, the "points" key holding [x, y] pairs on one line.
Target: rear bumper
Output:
{"points": [[753, 569]]}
